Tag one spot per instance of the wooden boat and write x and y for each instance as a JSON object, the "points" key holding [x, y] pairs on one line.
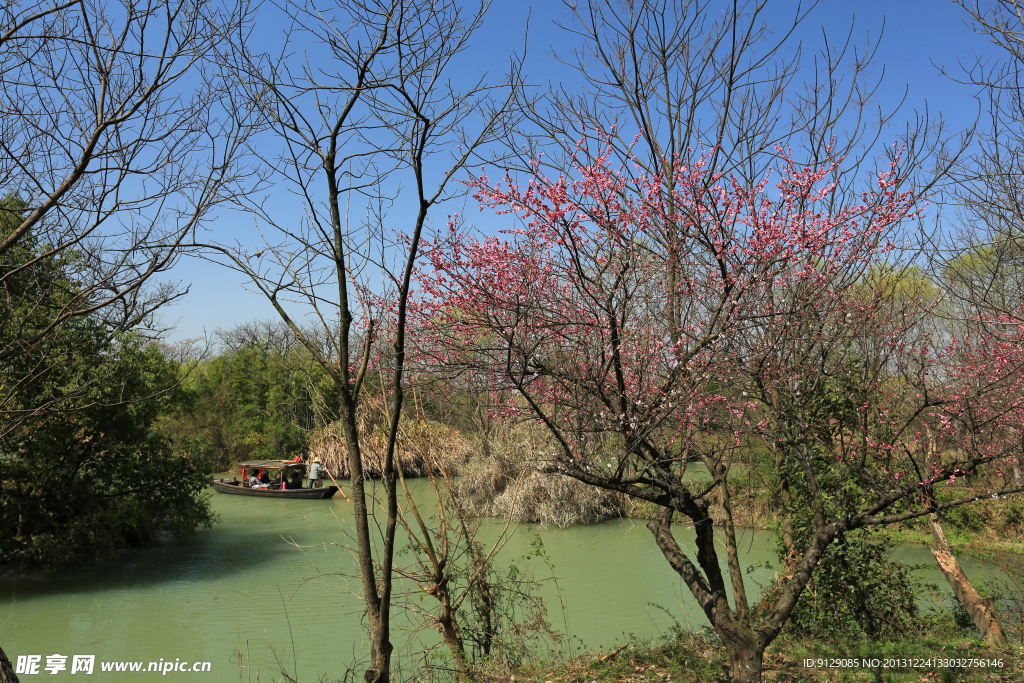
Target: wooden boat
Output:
{"points": [[286, 471]]}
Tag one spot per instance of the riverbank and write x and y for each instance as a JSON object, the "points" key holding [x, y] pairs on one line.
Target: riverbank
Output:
{"points": [[501, 481], [243, 594], [991, 527], [940, 654], [499, 485]]}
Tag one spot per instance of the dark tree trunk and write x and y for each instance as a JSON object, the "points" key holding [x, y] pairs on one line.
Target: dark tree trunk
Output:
{"points": [[744, 645], [450, 631], [786, 496], [6, 670], [739, 591], [380, 644], [745, 657]]}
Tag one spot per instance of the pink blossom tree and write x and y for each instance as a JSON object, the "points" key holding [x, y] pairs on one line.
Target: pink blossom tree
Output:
{"points": [[571, 321]]}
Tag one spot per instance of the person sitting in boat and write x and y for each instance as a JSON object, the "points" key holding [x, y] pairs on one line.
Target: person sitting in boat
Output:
{"points": [[254, 481], [264, 477], [296, 480]]}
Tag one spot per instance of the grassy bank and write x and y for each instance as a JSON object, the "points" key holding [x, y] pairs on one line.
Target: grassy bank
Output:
{"points": [[699, 657], [994, 526], [991, 526], [507, 475]]}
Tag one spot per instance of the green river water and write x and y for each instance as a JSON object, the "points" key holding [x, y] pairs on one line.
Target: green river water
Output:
{"points": [[241, 597]]}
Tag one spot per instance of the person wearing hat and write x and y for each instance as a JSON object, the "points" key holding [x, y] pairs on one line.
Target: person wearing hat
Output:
{"points": [[314, 473]]}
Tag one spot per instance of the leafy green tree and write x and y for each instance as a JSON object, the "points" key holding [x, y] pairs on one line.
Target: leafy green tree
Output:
{"points": [[855, 589], [258, 399], [83, 466], [81, 482], [32, 291]]}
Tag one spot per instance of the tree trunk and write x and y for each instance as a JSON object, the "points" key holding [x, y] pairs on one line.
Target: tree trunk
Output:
{"points": [[745, 658], [6, 670], [785, 495], [982, 610], [744, 645], [376, 608], [451, 632], [739, 591]]}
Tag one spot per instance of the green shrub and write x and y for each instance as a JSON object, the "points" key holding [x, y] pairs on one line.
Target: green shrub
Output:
{"points": [[856, 589], [963, 518], [1012, 516]]}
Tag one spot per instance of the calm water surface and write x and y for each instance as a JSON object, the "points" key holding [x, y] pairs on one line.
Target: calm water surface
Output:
{"points": [[273, 583]]}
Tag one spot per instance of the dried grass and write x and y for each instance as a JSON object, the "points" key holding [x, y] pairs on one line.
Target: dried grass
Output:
{"points": [[503, 479], [498, 476], [423, 446]]}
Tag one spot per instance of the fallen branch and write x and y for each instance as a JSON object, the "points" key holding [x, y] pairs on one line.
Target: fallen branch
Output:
{"points": [[611, 655], [982, 610]]}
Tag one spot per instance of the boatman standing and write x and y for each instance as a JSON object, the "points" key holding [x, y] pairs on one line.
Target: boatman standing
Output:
{"points": [[314, 473]]}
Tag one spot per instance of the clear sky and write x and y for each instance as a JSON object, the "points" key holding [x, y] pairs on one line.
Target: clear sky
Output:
{"points": [[918, 35]]}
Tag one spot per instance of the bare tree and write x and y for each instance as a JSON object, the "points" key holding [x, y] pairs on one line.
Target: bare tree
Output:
{"points": [[983, 267], [668, 78], [359, 105], [117, 139]]}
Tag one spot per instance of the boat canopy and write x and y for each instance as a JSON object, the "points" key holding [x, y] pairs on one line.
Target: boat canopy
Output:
{"points": [[272, 464]]}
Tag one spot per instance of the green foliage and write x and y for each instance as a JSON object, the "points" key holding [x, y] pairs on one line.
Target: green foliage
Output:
{"points": [[79, 482], [83, 467], [856, 590], [1012, 517], [963, 518], [1003, 518], [256, 402], [34, 292], [989, 273]]}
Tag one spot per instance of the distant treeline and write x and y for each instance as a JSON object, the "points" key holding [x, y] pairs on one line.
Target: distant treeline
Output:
{"points": [[256, 394]]}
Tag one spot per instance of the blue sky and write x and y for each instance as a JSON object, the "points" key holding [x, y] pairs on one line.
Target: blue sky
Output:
{"points": [[918, 35]]}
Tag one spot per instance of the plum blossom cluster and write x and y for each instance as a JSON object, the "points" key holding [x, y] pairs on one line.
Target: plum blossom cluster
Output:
{"points": [[636, 305]]}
